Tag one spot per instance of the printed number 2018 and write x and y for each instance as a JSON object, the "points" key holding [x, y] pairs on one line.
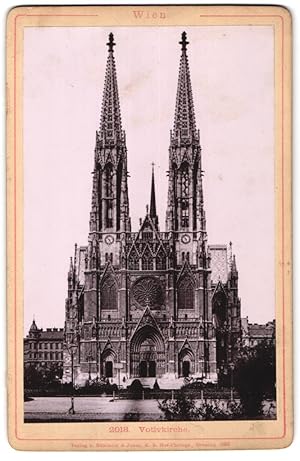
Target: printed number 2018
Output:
{"points": [[118, 429]]}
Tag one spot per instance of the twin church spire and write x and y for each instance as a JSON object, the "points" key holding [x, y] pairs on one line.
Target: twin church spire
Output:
{"points": [[185, 210], [184, 120], [111, 122], [110, 207]]}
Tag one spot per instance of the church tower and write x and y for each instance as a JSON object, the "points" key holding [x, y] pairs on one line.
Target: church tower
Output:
{"points": [[109, 217], [185, 220], [185, 213], [110, 208]]}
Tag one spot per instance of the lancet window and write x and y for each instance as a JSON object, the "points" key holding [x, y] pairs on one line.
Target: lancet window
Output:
{"points": [[108, 174], [147, 260], [109, 180], [186, 293], [109, 300], [185, 183], [134, 261], [109, 214], [161, 261]]}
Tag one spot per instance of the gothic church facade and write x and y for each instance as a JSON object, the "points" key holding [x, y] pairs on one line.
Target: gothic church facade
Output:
{"points": [[150, 304]]}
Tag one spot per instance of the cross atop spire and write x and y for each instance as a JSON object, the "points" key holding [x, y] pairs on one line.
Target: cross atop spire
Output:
{"points": [[184, 123], [111, 43], [183, 41]]}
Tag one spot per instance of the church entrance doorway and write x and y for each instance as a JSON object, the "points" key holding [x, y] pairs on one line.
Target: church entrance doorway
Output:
{"points": [[185, 368], [186, 365], [108, 358], [143, 369], [147, 369], [108, 369], [152, 369], [147, 356]]}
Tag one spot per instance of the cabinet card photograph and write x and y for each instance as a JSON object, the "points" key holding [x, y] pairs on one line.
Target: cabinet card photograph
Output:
{"points": [[149, 227]]}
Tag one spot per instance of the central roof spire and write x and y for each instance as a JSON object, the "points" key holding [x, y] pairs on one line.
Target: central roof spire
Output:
{"points": [[153, 214], [184, 121]]}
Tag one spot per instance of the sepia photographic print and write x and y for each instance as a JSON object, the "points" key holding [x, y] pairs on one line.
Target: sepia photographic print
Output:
{"points": [[149, 208]]}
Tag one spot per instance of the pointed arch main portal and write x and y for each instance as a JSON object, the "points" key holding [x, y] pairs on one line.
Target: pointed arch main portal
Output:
{"points": [[147, 353]]}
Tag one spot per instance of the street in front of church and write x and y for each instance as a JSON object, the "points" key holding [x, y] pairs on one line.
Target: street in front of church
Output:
{"points": [[56, 409], [91, 409]]}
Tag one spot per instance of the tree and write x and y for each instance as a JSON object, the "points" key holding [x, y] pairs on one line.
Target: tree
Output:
{"points": [[32, 377], [42, 377], [255, 377]]}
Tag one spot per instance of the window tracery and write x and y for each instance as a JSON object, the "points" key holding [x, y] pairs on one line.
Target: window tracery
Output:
{"points": [[134, 261], [186, 293], [219, 306], [161, 261], [109, 294], [185, 185], [109, 180], [109, 194], [147, 291], [147, 260]]}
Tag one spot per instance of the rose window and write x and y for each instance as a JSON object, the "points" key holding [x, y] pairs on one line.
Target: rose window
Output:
{"points": [[147, 291]]}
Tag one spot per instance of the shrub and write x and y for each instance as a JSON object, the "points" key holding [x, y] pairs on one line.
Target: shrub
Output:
{"points": [[136, 389], [184, 408]]}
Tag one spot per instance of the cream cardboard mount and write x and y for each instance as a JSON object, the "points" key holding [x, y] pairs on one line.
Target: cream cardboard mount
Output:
{"points": [[173, 330]]}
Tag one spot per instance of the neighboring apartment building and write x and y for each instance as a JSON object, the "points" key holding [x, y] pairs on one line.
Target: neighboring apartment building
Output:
{"points": [[255, 333], [43, 347]]}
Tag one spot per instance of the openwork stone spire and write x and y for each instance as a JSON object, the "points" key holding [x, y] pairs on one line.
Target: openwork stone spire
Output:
{"points": [[110, 122], [184, 122]]}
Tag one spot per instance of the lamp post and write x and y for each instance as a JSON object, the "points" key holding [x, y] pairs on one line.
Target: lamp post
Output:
{"points": [[71, 349], [231, 367], [98, 359]]}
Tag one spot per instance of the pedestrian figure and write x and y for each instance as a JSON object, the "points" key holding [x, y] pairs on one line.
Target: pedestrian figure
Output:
{"points": [[71, 410]]}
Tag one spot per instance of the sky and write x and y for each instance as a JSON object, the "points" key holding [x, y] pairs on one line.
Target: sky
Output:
{"points": [[232, 73]]}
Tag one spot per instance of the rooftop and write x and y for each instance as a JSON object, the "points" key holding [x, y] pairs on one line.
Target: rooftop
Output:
{"points": [[54, 333]]}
